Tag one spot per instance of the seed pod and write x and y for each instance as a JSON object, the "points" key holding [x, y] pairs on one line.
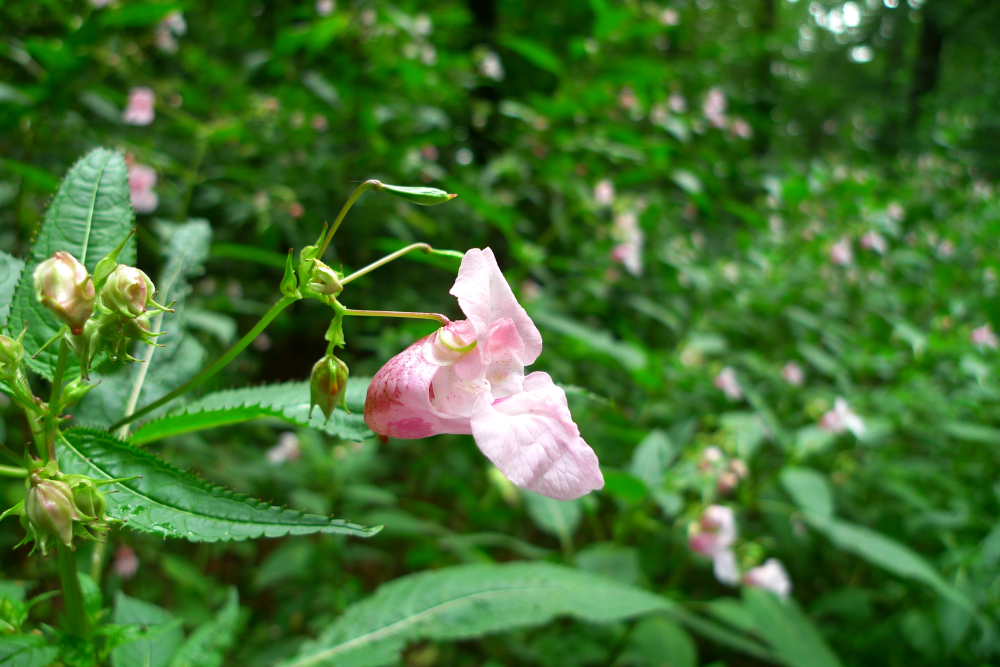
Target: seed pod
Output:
{"points": [[328, 384], [422, 196], [50, 509], [63, 285]]}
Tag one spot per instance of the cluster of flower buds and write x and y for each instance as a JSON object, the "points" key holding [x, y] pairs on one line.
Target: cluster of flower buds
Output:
{"points": [[61, 507], [328, 385], [121, 295], [727, 472]]}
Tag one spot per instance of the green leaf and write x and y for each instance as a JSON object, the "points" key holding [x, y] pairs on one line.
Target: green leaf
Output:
{"points": [[534, 53], [624, 486], [888, 554], [628, 355], [138, 14], [185, 248], [288, 401], [161, 637], [652, 457], [26, 651], [809, 489], [170, 502], [207, 646], [10, 272], [466, 602], [560, 518], [657, 641], [88, 217], [789, 632], [975, 433]]}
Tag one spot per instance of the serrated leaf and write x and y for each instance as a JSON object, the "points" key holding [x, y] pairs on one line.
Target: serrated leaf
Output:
{"points": [[10, 272], [88, 217], [170, 502], [288, 401], [465, 602], [206, 647], [26, 651], [185, 248], [789, 632]]}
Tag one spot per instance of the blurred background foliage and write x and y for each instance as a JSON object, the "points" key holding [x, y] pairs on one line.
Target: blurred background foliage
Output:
{"points": [[687, 196]]}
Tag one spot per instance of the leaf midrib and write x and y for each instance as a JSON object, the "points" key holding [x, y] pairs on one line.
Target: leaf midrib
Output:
{"points": [[93, 207]]}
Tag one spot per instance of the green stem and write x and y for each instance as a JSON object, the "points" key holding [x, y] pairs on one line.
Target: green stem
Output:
{"points": [[219, 364], [54, 398], [76, 616], [364, 187], [385, 260], [399, 313], [11, 471]]}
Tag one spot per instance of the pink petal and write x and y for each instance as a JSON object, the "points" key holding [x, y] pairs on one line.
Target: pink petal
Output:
{"points": [[532, 439], [398, 404], [485, 296], [506, 370], [725, 568]]}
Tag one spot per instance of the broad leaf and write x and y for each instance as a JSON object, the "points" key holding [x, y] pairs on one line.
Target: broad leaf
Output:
{"points": [[10, 272], [206, 647], [560, 518], [288, 401], [630, 356], [652, 457], [469, 601], [789, 632], [89, 215], [161, 635], [185, 248], [26, 651], [809, 489], [170, 502], [886, 553], [657, 641]]}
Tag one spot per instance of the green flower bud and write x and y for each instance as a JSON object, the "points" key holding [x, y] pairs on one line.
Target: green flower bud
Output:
{"points": [[11, 353], [324, 280], [50, 509], [422, 196], [128, 291], [90, 502], [328, 385], [63, 285]]}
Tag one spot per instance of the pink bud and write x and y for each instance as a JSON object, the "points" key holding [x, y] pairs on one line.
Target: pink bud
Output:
{"points": [[841, 252], [792, 374], [141, 180], [770, 576], [140, 109], [126, 562], [63, 285], [128, 291], [984, 337], [727, 383]]}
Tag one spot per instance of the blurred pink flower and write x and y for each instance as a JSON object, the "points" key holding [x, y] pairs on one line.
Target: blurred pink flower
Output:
{"points": [[468, 377], [895, 211], [727, 383], [713, 536], [670, 17], [793, 374], [325, 7], [677, 103], [99, 3], [126, 563], [172, 24], [287, 449], [627, 98], [984, 337], [319, 123], [141, 180], [841, 252], [604, 193], [842, 418], [296, 210], [872, 240], [770, 576], [742, 129], [491, 66], [714, 108], [626, 231], [141, 107], [946, 249]]}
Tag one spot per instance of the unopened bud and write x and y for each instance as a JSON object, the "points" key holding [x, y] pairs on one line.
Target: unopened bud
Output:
{"points": [[422, 196], [50, 509], [324, 280], [11, 353], [328, 384], [63, 285], [89, 501], [128, 291]]}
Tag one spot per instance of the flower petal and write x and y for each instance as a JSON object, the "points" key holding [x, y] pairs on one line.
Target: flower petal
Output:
{"points": [[399, 405], [506, 370], [531, 438]]}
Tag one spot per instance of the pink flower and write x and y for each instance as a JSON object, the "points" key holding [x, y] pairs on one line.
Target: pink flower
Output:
{"points": [[874, 241], [140, 109], [126, 562], [141, 180], [946, 248], [677, 103], [770, 576], [713, 536], [287, 449], [895, 211], [714, 107], [468, 377], [325, 7], [727, 383], [842, 418], [670, 17], [604, 193], [742, 129], [984, 337], [841, 252], [629, 235], [793, 374]]}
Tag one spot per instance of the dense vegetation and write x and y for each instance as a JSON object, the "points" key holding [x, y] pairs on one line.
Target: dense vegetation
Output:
{"points": [[758, 237]]}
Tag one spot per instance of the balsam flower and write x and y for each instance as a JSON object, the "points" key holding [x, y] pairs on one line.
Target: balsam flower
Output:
{"points": [[713, 536], [468, 378], [63, 285], [141, 109], [141, 181], [770, 576]]}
